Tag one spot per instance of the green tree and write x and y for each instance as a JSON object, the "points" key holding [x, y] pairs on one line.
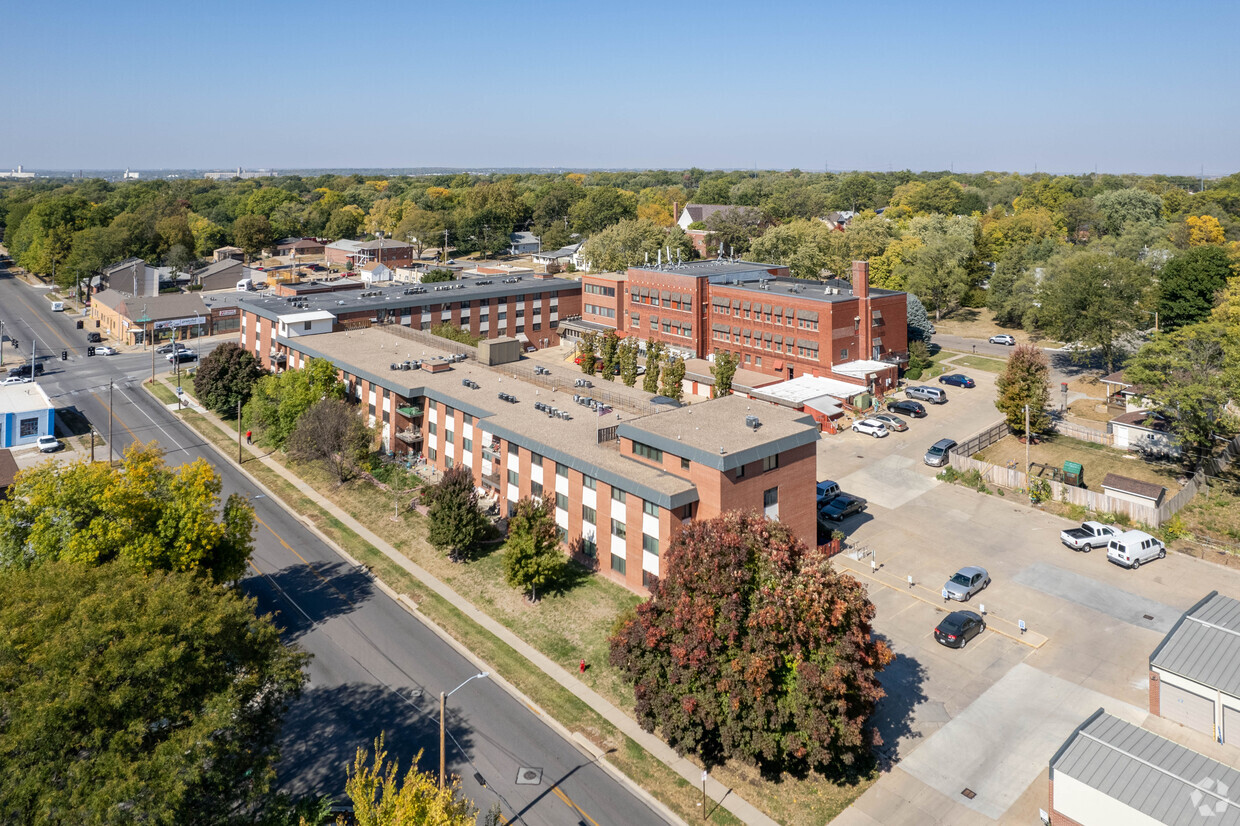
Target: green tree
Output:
{"points": [[672, 378], [1190, 376], [627, 357], [587, 348], [1121, 207], [421, 228], [456, 523], [332, 434], [937, 272], [1095, 300], [533, 559], [253, 234], [344, 222], [753, 647], [600, 208], [226, 377], [803, 246], [632, 243], [855, 192], [609, 352], [279, 400], [1189, 283], [435, 276], [143, 512], [1025, 382], [381, 798], [94, 248], [654, 367], [724, 369], [732, 230], [132, 697]]}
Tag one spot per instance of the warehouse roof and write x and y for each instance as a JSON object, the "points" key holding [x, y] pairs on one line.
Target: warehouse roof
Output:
{"points": [[1204, 646]]}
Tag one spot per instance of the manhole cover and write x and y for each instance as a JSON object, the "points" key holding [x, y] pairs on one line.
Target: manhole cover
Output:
{"points": [[1147, 616], [527, 776], [969, 793]]}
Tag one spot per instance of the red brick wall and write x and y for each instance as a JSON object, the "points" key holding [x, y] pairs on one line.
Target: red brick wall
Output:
{"points": [[1155, 692], [1057, 819]]}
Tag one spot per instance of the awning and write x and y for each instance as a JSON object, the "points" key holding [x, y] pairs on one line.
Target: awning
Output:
{"points": [[523, 337], [411, 412], [778, 365]]}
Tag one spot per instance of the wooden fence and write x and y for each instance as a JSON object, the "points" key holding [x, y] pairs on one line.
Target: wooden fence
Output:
{"points": [[1085, 434], [983, 440]]}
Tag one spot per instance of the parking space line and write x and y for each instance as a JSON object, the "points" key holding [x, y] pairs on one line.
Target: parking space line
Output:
{"points": [[1030, 638]]}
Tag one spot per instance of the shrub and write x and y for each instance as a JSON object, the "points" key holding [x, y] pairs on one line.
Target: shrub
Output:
{"points": [[1173, 529], [913, 374], [1077, 513], [1039, 491]]}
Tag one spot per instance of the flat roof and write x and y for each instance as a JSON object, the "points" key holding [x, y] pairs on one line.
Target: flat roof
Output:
{"points": [[828, 290], [1167, 782], [399, 296], [314, 315], [714, 267], [714, 433], [1204, 645], [20, 398], [803, 388], [369, 353]]}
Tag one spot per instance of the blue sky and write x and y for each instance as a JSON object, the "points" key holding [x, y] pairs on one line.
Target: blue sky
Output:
{"points": [[1066, 87]]}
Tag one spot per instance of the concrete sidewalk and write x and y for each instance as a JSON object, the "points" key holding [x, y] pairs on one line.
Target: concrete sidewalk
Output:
{"points": [[725, 797]]}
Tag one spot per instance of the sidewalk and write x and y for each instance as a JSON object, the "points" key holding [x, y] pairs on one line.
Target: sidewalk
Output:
{"points": [[692, 773]]}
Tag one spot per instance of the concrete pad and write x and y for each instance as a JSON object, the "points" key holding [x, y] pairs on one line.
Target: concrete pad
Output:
{"points": [[1000, 743], [889, 482], [1098, 596]]}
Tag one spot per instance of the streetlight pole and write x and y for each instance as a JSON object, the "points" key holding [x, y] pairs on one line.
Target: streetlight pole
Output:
{"points": [[443, 700], [109, 423], [1028, 473]]}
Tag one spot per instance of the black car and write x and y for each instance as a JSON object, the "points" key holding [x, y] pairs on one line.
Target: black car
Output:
{"points": [[841, 507], [94, 338], [24, 370], [958, 627], [907, 407]]}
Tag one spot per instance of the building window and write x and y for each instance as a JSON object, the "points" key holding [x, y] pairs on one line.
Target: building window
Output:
{"points": [[650, 508], [29, 427], [447, 462], [648, 579], [588, 514], [684, 463], [514, 452], [561, 501], [536, 490], [618, 529], [561, 470], [306, 327], [589, 547], [589, 482], [561, 534], [844, 353], [740, 471], [448, 436], [648, 452], [770, 503], [431, 427], [617, 494], [467, 445], [535, 460], [431, 454], [617, 564], [514, 478], [650, 544], [770, 462]]}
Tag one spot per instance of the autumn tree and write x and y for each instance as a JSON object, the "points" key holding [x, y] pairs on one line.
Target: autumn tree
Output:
{"points": [[654, 367], [137, 697], [143, 512], [533, 559], [332, 434], [456, 522], [421, 228], [1189, 283], [671, 382], [278, 400], [627, 357], [1204, 229], [752, 647], [1025, 382], [1095, 300], [723, 371], [381, 797], [226, 377]]}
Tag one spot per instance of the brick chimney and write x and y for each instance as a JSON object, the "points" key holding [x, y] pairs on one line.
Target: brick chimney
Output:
{"points": [[861, 279]]}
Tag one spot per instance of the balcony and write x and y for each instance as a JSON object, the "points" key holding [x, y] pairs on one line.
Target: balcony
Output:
{"points": [[410, 436]]}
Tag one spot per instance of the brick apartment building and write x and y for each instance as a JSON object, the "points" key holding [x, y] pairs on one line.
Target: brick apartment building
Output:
{"points": [[772, 323], [623, 478], [527, 309], [386, 251]]}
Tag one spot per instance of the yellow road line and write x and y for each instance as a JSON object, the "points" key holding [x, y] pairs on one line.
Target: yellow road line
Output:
{"points": [[560, 794]]}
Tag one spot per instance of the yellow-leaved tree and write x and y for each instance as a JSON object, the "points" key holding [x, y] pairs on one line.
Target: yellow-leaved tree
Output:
{"points": [[381, 798], [1204, 229]]}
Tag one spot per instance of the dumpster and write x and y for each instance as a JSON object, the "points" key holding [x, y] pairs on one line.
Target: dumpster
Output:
{"points": [[79, 323], [1073, 474]]}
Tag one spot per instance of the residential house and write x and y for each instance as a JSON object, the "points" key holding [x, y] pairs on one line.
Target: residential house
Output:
{"points": [[355, 253], [235, 253], [225, 275], [301, 247], [374, 273], [523, 243]]}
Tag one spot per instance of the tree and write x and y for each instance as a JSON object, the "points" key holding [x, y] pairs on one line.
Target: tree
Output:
{"points": [[609, 352], [1204, 229], [855, 192], [344, 222], [1121, 207], [143, 512], [132, 697], [723, 370], [654, 366], [803, 246], [600, 208], [937, 272], [93, 249], [627, 356], [226, 377], [381, 798], [1025, 381], [253, 234], [456, 523], [278, 401], [533, 559], [1095, 300], [752, 647], [671, 382], [332, 434], [586, 353], [732, 230], [1189, 283], [918, 320], [632, 243], [421, 228], [435, 276], [1190, 376]]}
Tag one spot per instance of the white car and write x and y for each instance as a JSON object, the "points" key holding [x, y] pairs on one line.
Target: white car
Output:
{"points": [[10, 380], [105, 350], [48, 444], [1003, 338], [871, 427]]}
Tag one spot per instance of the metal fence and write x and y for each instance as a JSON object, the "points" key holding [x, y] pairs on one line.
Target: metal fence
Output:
{"points": [[430, 339], [607, 434]]}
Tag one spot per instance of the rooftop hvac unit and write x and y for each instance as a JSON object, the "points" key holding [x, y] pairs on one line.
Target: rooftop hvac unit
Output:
{"points": [[752, 422]]}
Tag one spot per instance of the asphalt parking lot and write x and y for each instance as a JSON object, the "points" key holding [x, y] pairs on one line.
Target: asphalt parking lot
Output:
{"points": [[988, 717]]}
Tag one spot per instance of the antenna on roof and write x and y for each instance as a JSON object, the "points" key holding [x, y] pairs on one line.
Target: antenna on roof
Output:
{"points": [[659, 264]]}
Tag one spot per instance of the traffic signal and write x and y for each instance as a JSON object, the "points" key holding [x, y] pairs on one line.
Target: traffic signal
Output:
{"points": [[90, 351], [64, 355]]}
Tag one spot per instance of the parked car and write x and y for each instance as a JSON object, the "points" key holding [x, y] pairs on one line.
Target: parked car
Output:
{"points": [[934, 395], [5, 382], [841, 507], [49, 444], [966, 582], [105, 351], [1089, 536], [25, 370], [1003, 338], [891, 422], [165, 349], [938, 454], [957, 628], [957, 380], [827, 490], [1131, 548], [907, 407], [870, 427]]}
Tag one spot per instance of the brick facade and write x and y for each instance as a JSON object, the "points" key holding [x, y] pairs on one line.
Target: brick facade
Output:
{"points": [[1155, 698]]}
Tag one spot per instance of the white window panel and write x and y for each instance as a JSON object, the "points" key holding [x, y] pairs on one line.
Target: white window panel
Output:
{"points": [[589, 497], [468, 431], [449, 449], [650, 563], [619, 510], [431, 441], [650, 524], [561, 484], [514, 494], [432, 412], [536, 473], [487, 467], [561, 518], [370, 398], [467, 459]]}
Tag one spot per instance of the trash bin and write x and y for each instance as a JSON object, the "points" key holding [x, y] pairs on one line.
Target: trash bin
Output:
{"points": [[1074, 474]]}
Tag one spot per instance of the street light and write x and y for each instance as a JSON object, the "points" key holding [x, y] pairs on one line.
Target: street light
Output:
{"points": [[443, 698]]}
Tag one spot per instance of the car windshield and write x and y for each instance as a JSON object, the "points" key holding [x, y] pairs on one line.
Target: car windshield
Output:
{"points": [[935, 451], [960, 579], [951, 625]]}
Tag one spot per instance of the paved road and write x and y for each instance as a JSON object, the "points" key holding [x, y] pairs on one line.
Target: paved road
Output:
{"points": [[375, 667]]}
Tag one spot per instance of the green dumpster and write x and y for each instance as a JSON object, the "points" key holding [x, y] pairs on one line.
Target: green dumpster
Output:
{"points": [[1074, 474], [864, 401]]}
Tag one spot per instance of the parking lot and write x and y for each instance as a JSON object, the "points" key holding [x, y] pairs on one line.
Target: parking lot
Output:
{"points": [[988, 717]]}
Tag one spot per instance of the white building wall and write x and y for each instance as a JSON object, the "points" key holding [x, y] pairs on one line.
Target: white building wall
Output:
{"points": [[1090, 807]]}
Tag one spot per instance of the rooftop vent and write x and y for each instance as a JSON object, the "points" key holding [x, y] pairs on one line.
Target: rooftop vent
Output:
{"points": [[752, 422]]}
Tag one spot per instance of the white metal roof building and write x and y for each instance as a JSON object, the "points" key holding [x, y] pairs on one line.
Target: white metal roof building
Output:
{"points": [[1195, 670], [1111, 772]]}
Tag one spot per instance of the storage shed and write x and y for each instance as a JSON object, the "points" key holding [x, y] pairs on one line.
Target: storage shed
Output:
{"points": [[1195, 670]]}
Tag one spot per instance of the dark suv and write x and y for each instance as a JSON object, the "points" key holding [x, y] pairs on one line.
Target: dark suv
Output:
{"points": [[93, 338], [907, 407], [24, 370]]}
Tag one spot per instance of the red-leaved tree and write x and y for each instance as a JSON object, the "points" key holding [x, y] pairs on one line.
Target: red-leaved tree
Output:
{"points": [[754, 648]]}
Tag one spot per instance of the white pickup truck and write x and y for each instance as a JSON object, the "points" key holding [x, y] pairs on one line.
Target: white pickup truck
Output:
{"points": [[1089, 536]]}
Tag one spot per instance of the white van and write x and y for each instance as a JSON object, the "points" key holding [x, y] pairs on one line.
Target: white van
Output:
{"points": [[1131, 548], [245, 285], [58, 306]]}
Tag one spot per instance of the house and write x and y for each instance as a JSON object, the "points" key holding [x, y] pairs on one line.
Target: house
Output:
{"points": [[374, 273], [133, 276], [1111, 772], [355, 253], [300, 246], [26, 413], [1195, 670], [523, 243], [700, 214], [563, 256], [235, 253], [1133, 490], [838, 221], [130, 319], [415, 273], [8, 472], [1123, 393], [224, 275], [1143, 431]]}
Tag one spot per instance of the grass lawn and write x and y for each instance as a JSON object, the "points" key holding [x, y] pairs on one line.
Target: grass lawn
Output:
{"points": [[1092, 410], [979, 322], [161, 391], [1098, 460], [990, 365]]}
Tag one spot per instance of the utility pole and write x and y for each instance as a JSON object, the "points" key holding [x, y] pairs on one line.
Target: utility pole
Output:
{"points": [[240, 458], [92, 444], [109, 423], [443, 702], [1028, 474], [445, 246], [1, 343]]}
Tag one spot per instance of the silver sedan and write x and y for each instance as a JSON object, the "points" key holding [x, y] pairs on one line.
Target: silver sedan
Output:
{"points": [[966, 582]]}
